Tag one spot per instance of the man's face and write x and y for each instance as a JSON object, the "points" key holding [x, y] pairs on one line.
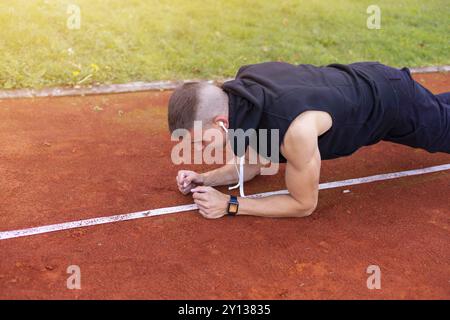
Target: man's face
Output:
{"points": [[211, 135]]}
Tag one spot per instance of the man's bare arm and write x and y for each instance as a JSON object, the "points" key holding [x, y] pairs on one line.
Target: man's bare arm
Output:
{"points": [[225, 175], [300, 148], [302, 177]]}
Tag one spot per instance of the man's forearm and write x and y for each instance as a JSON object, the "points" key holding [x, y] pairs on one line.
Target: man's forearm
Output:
{"points": [[227, 174], [276, 206], [221, 176]]}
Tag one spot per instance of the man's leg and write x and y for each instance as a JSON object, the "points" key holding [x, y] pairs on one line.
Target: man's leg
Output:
{"points": [[444, 97], [423, 120]]}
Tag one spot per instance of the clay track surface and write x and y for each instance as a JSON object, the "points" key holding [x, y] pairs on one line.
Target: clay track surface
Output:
{"points": [[71, 158]]}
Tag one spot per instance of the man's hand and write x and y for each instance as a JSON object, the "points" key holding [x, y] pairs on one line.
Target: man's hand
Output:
{"points": [[187, 180], [212, 204]]}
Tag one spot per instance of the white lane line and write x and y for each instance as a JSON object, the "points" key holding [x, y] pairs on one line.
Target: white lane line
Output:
{"points": [[190, 207]]}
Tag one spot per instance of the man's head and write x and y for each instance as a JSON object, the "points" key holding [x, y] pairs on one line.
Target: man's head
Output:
{"points": [[199, 101]]}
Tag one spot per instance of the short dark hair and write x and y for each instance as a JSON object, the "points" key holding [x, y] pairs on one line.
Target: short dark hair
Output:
{"points": [[183, 106]]}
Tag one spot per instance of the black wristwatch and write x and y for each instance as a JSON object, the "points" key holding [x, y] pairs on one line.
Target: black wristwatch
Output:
{"points": [[233, 206]]}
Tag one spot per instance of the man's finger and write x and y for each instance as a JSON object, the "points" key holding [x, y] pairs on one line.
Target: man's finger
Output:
{"points": [[201, 189], [181, 175], [187, 187], [188, 178], [181, 180], [199, 205], [203, 213], [199, 196], [185, 191]]}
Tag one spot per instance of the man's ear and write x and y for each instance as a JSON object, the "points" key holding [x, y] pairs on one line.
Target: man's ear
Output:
{"points": [[223, 119]]}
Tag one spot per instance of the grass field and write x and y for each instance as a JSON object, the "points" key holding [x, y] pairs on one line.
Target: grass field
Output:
{"points": [[121, 41]]}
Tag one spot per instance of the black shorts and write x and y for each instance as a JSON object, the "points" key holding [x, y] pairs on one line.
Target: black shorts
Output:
{"points": [[423, 119]]}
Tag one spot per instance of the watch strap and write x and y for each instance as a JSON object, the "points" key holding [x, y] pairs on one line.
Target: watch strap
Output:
{"points": [[233, 204]]}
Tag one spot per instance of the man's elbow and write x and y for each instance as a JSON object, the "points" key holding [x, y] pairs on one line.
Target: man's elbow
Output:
{"points": [[306, 209], [310, 210]]}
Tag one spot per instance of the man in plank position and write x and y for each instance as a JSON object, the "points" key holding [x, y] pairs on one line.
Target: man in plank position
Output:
{"points": [[319, 112]]}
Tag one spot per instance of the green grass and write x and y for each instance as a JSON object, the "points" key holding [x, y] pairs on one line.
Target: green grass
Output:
{"points": [[121, 41]]}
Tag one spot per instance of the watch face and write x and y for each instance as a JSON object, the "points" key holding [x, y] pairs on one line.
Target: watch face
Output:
{"points": [[233, 207]]}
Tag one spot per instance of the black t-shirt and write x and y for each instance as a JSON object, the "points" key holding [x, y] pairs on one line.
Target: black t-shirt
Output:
{"points": [[270, 95]]}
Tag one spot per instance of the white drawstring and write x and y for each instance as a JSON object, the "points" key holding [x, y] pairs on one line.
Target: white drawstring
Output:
{"points": [[241, 177], [240, 173]]}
